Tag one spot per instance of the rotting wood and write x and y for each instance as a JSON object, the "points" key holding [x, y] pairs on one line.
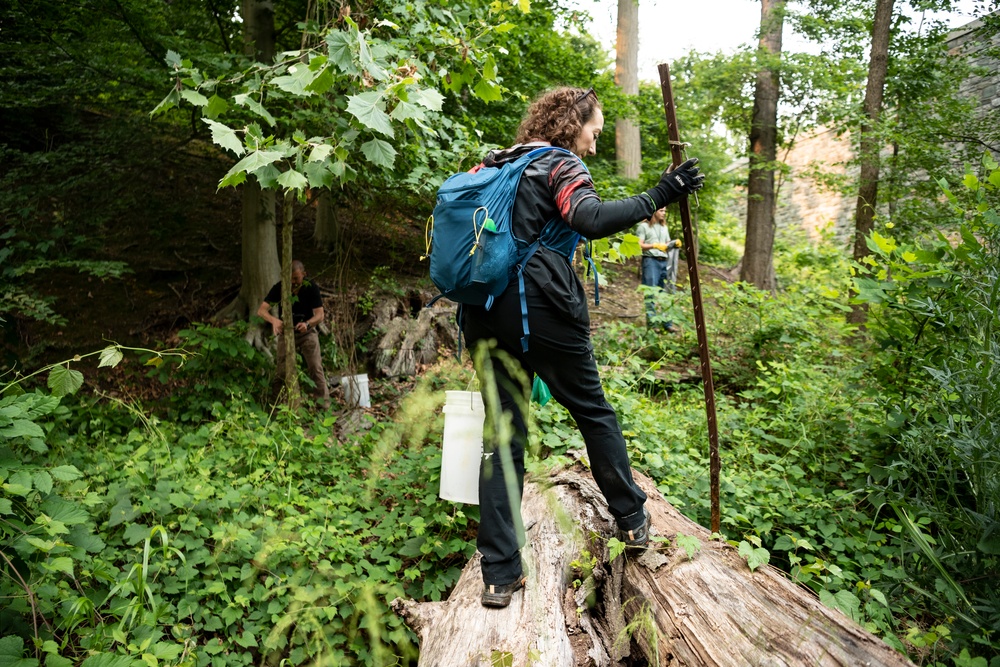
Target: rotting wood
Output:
{"points": [[407, 343], [706, 610]]}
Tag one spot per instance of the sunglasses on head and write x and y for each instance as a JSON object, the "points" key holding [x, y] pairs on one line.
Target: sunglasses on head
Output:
{"points": [[582, 96]]}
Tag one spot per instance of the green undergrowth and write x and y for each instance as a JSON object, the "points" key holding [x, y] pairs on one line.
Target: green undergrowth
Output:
{"points": [[806, 424], [210, 532], [253, 538]]}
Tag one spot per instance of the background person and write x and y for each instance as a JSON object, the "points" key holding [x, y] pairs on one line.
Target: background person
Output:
{"points": [[659, 264], [556, 186], [307, 313]]}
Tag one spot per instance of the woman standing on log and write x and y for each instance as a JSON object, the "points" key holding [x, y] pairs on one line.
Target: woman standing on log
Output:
{"points": [[557, 186]]}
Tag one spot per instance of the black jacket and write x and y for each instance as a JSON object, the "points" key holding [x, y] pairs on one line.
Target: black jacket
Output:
{"points": [[556, 185]]}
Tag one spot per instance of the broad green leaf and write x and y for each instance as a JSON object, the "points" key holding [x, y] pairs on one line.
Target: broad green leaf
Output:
{"points": [[229, 180], [109, 660], [524, 6], [405, 110], [254, 161], [909, 257], [43, 482], [81, 536], [245, 100], [338, 44], [784, 543], [630, 246], [53, 660], [296, 81], [379, 152], [168, 102], [216, 107], [989, 543], [292, 180], [62, 564], [22, 428], [848, 603], [12, 653], [318, 174], [490, 68], [368, 109], [40, 544], [64, 381], [971, 182], [5, 506], [368, 60], [488, 91], [167, 650], [225, 136], [66, 473], [194, 97], [15, 489], [267, 176], [173, 59], [690, 544], [21, 479], [111, 356], [135, 533], [429, 98], [755, 556], [320, 152], [884, 243], [615, 548], [323, 82]]}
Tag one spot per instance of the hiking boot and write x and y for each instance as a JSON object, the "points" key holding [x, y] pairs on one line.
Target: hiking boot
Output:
{"points": [[637, 537], [500, 595]]}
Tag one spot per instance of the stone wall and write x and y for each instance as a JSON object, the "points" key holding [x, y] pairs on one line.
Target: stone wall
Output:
{"points": [[983, 87]]}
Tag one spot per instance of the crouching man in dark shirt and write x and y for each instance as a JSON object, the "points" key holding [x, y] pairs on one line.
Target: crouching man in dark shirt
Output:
{"points": [[307, 313]]}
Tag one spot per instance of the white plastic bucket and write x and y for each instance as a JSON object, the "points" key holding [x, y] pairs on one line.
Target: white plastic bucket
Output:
{"points": [[464, 417], [356, 390]]}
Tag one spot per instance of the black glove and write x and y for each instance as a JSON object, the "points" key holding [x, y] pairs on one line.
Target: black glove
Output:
{"points": [[675, 184]]}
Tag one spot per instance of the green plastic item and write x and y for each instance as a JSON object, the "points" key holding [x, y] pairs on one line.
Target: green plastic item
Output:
{"points": [[540, 391]]}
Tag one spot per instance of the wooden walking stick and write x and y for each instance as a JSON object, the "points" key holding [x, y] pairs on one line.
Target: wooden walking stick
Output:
{"points": [[677, 153]]}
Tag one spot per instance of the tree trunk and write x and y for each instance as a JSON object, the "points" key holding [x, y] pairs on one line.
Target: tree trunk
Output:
{"points": [[409, 344], [758, 264], [325, 230], [260, 266], [287, 321], [864, 217], [660, 607], [258, 29], [628, 152]]}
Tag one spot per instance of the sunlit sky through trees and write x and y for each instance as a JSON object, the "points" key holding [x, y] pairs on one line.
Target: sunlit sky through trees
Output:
{"points": [[670, 28]]}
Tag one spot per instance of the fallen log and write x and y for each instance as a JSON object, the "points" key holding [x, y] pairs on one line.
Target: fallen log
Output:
{"points": [[660, 607]]}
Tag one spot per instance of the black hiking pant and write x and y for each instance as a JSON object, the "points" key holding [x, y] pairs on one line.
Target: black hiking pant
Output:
{"points": [[561, 354]]}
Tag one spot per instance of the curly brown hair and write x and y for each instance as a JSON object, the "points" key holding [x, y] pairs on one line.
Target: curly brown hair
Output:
{"points": [[557, 116]]}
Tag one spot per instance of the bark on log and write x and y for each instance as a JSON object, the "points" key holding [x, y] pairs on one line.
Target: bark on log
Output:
{"points": [[660, 607]]}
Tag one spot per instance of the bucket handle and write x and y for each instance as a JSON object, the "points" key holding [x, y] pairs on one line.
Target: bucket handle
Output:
{"points": [[468, 388]]}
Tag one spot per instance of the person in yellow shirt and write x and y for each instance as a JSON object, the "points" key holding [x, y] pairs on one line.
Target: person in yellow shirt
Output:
{"points": [[659, 264]]}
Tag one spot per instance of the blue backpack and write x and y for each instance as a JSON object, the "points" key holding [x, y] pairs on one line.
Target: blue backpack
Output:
{"points": [[471, 245]]}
